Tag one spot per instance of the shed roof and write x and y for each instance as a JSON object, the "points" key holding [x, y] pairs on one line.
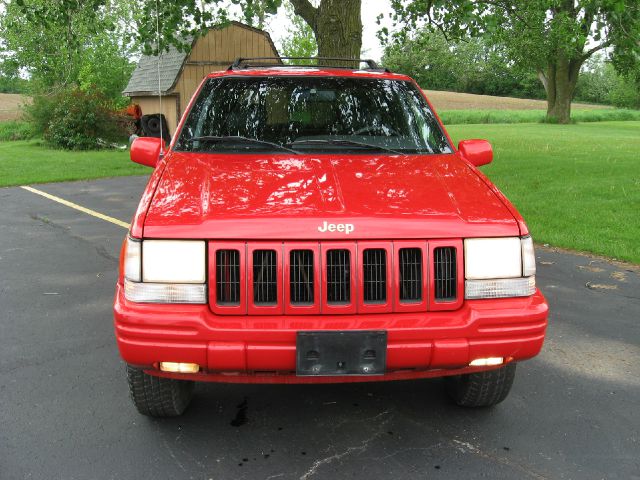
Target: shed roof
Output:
{"points": [[144, 79]]}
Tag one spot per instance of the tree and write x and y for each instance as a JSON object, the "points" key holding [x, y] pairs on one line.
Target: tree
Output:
{"points": [[70, 42], [336, 24], [300, 40], [44, 39], [552, 37], [10, 79], [597, 79], [105, 68], [472, 66]]}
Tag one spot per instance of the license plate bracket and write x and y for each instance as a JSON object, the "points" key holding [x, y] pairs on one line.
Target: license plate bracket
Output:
{"points": [[341, 353]]}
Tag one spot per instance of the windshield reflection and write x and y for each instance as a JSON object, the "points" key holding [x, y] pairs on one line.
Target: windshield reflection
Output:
{"points": [[318, 114]]}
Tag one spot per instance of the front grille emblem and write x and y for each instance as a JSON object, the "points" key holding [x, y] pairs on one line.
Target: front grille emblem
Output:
{"points": [[347, 228]]}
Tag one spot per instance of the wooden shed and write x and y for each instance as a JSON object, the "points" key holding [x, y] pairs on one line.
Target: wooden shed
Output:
{"points": [[181, 73]]}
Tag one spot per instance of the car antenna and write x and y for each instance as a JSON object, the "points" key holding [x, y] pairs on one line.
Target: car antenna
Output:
{"points": [[159, 86]]}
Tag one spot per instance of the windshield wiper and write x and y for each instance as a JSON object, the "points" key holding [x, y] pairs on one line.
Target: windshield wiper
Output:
{"points": [[237, 138], [342, 141]]}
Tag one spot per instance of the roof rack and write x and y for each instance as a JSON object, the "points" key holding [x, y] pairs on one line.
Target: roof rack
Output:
{"points": [[258, 62]]}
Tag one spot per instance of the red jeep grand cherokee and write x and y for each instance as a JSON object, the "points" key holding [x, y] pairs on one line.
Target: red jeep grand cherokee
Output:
{"points": [[317, 225]]}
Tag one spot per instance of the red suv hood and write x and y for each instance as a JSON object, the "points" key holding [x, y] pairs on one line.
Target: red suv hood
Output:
{"points": [[289, 197]]}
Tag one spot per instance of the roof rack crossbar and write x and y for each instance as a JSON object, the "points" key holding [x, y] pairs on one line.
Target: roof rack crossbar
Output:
{"points": [[249, 62]]}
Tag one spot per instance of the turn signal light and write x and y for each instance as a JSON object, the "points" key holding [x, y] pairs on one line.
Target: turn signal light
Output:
{"points": [[179, 367], [487, 362]]}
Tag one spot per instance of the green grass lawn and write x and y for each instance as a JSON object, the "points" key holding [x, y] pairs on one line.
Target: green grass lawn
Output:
{"points": [[458, 117], [27, 162], [578, 186]]}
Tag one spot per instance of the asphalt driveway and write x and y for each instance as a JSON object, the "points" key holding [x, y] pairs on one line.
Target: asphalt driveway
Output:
{"points": [[574, 411]]}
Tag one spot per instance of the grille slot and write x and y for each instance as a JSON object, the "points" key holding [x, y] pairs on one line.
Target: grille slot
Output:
{"points": [[265, 277], [410, 275], [445, 273], [228, 277], [301, 277], [338, 277], [374, 268]]}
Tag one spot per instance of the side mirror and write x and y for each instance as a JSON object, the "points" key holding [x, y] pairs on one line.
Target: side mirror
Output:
{"points": [[146, 150], [477, 152]]}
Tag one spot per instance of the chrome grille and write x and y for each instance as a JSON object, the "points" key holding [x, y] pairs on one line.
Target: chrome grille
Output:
{"points": [[301, 277], [338, 277], [228, 277], [444, 264], [374, 269], [410, 275], [265, 277]]}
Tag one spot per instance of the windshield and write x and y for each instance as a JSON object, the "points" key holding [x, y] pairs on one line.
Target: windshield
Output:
{"points": [[313, 114]]}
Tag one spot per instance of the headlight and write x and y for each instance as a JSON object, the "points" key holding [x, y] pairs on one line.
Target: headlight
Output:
{"points": [[492, 258], [173, 261], [165, 271], [499, 267]]}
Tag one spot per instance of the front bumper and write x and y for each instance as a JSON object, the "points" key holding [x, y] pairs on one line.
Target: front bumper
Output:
{"points": [[262, 349]]}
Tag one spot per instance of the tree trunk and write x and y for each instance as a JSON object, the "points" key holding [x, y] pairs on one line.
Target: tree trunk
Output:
{"points": [[337, 27], [559, 82]]}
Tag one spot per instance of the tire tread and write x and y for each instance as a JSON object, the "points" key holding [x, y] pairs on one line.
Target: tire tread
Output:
{"points": [[482, 389], [158, 396]]}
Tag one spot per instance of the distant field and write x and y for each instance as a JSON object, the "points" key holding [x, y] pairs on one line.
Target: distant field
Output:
{"points": [[468, 101], [578, 186], [11, 106]]}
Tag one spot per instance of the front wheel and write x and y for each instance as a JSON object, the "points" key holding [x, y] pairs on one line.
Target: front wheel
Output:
{"points": [[158, 396], [482, 389]]}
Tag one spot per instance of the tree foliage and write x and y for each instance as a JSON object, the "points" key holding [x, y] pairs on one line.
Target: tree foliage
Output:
{"points": [[300, 40], [600, 82], [70, 42], [472, 66], [10, 79], [336, 24], [551, 37], [76, 53]]}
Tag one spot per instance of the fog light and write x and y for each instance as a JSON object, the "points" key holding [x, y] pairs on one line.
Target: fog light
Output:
{"points": [[487, 362], [179, 367]]}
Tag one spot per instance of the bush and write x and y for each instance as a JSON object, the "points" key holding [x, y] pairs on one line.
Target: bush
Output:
{"points": [[625, 93], [75, 120], [40, 112], [599, 82], [15, 130], [596, 79]]}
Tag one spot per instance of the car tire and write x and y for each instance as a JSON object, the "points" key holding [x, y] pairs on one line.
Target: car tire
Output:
{"points": [[482, 389], [158, 396]]}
